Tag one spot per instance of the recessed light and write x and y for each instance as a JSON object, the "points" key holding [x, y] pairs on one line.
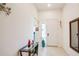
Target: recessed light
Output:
{"points": [[49, 5]]}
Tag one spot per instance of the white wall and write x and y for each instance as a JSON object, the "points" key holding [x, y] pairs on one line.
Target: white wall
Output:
{"points": [[16, 28], [52, 15], [70, 12]]}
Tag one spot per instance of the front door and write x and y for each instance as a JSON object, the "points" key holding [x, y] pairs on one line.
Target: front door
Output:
{"points": [[52, 32]]}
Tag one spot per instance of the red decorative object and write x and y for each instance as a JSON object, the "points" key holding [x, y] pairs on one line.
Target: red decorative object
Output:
{"points": [[29, 43]]}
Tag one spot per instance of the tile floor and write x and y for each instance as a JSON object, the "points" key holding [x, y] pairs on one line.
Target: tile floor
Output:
{"points": [[52, 51], [49, 51]]}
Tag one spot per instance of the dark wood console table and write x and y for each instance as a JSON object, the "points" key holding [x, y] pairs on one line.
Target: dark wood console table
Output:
{"points": [[32, 50]]}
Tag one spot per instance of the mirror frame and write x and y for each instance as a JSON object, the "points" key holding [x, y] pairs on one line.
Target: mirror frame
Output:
{"points": [[77, 19]]}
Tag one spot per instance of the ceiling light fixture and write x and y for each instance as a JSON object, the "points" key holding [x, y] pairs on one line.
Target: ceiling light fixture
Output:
{"points": [[49, 5]]}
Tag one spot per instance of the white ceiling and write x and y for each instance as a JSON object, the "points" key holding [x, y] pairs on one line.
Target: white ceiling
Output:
{"points": [[44, 6]]}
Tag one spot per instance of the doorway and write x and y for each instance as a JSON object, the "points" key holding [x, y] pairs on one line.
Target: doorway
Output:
{"points": [[50, 32], [43, 35]]}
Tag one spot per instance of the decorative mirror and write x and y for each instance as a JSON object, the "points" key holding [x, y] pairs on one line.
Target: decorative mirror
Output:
{"points": [[5, 9], [74, 34]]}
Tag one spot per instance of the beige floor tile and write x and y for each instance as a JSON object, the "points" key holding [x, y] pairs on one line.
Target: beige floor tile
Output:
{"points": [[52, 51]]}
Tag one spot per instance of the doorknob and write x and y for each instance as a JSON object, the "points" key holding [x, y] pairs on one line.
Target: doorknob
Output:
{"points": [[47, 34]]}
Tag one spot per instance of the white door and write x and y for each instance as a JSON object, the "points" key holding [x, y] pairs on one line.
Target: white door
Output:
{"points": [[52, 32]]}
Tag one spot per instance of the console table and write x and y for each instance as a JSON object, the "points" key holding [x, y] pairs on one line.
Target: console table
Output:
{"points": [[32, 50]]}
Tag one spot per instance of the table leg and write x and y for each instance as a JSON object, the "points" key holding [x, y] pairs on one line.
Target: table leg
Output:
{"points": [[20, 53], [29, 53]]}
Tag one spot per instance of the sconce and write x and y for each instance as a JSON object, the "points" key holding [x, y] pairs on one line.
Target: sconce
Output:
{"points": [[60, 23], [4, 8]]}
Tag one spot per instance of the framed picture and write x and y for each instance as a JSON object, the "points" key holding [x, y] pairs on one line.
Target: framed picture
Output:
{"points": [[37, 28]]}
